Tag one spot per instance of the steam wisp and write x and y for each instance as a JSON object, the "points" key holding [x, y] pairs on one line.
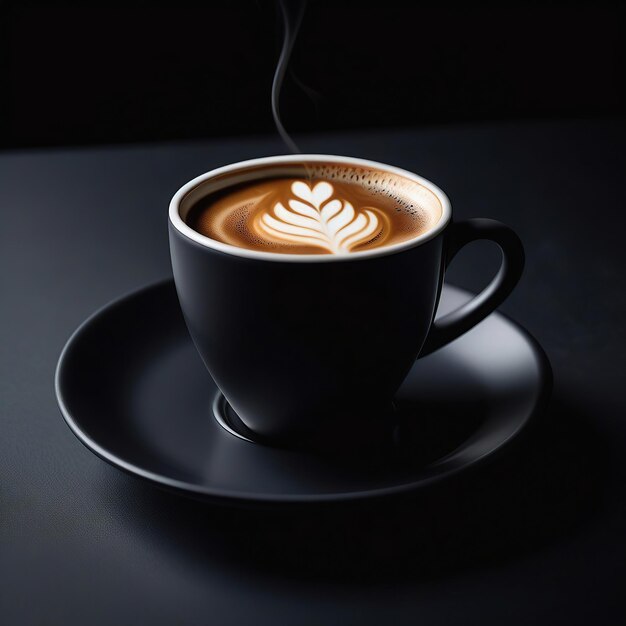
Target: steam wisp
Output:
{"points": [[291, 14]]}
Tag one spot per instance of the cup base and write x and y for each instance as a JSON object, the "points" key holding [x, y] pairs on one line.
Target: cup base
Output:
{"points": [[226, 417], [372, 432]]}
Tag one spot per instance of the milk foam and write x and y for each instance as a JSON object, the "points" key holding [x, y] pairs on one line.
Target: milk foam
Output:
{"points": [[316, 218]]}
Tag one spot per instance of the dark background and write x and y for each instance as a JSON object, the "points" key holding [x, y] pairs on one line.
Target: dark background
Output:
{"points": [[108, 72], [537, 540]]}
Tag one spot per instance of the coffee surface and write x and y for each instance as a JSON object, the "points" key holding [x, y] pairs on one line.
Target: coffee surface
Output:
{"points": [[330, 209]]}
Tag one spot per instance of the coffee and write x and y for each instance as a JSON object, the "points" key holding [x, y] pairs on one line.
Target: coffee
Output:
{"points": [[317, 208]]}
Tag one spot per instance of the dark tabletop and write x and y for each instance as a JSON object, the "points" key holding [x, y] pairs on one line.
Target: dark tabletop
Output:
{"points": [[539, 538]]}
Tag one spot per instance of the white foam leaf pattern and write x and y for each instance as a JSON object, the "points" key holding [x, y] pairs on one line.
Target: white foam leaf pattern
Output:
{"points": [[313, 218]]}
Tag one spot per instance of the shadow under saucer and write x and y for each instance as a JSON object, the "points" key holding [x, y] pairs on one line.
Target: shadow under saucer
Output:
{"points": [[541, 493]]}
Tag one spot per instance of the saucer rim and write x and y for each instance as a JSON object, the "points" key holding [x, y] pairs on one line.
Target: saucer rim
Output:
{"points": [[236, 497]]}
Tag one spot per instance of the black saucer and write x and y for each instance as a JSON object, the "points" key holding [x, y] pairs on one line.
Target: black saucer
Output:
{"points": [[133, 389]]}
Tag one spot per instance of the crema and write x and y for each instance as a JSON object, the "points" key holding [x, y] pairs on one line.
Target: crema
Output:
{"points": [[317, 209]]}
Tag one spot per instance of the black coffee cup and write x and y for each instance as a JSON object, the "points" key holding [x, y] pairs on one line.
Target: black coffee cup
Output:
{"points": [[310, 349]]}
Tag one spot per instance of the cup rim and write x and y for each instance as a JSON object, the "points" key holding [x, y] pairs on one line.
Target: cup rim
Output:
{"points": [[179, 224]]}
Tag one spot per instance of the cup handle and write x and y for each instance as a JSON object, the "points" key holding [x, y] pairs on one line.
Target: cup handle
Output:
{"points": [[457, 322]]}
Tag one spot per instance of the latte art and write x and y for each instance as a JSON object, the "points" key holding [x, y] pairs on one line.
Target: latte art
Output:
{"points": [[316, 218], [319, 208]]}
